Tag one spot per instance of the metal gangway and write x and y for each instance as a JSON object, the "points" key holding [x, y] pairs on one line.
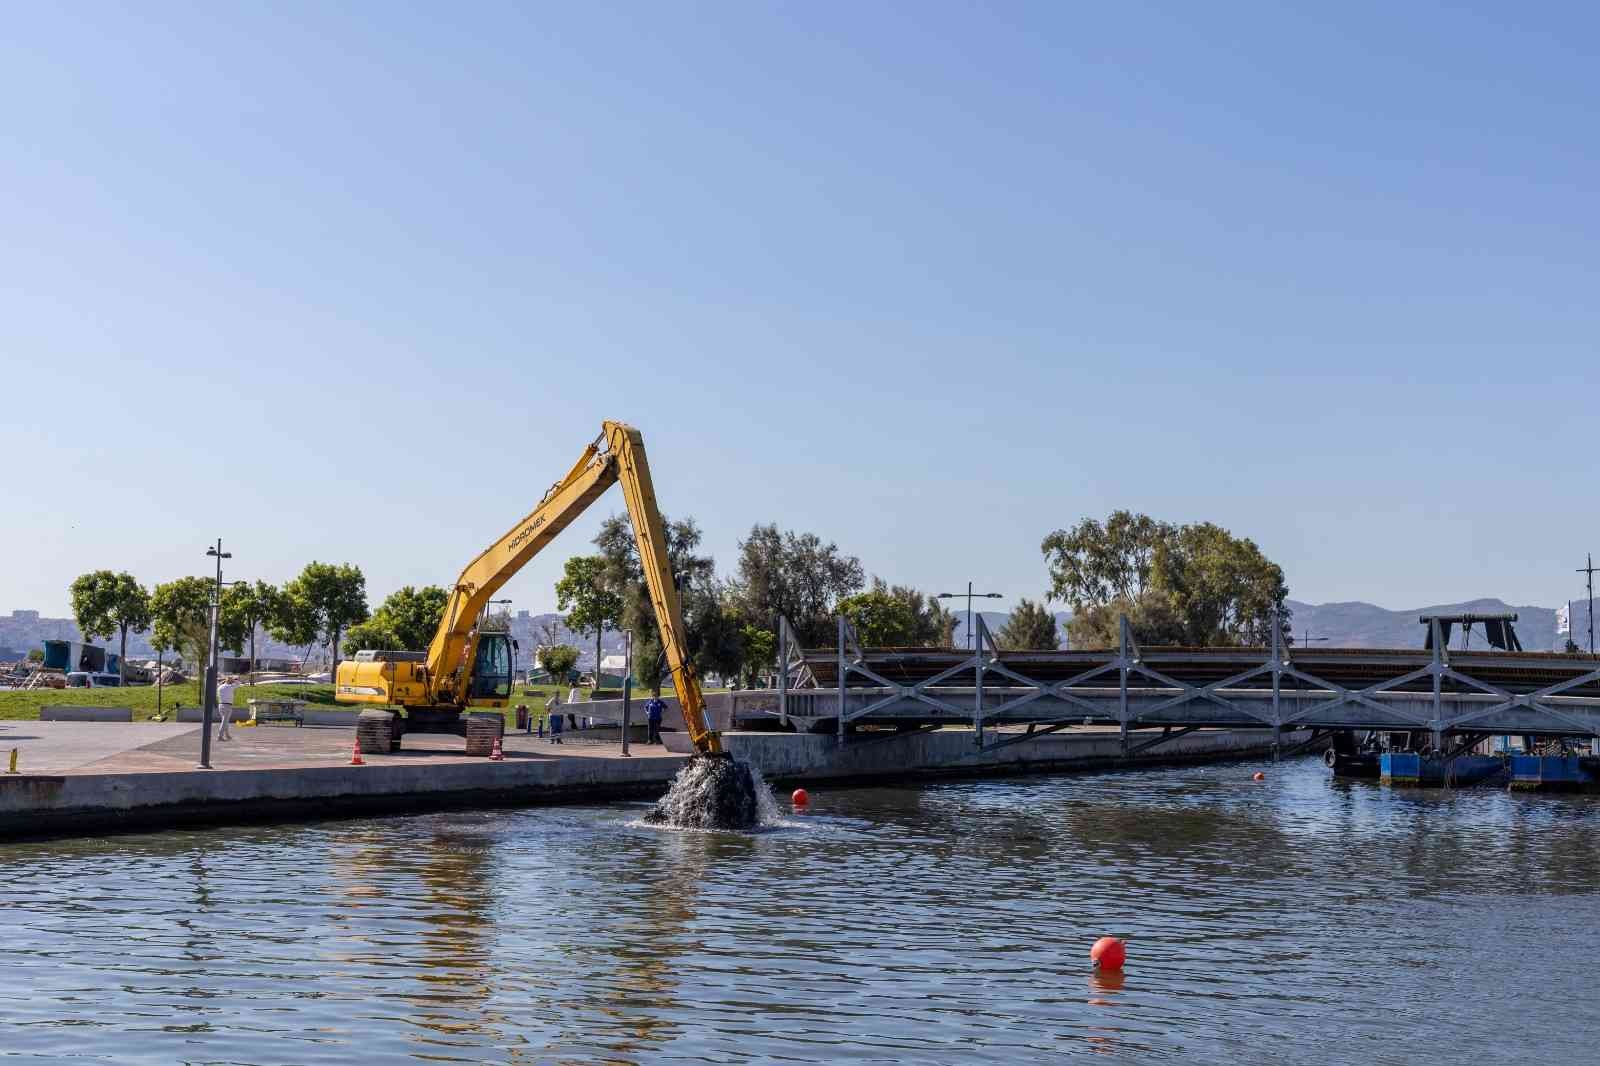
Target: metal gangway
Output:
{"points": [[1009, 697]]}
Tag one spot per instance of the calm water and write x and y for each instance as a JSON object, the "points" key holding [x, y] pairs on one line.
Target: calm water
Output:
{"points": [[1298, 920]]}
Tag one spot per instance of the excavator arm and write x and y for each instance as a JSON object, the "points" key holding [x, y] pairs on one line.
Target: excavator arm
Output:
{"points": [[616, 455]]}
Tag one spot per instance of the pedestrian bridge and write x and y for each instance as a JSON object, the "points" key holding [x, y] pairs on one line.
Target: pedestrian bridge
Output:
{"points": [[1464, 695]]}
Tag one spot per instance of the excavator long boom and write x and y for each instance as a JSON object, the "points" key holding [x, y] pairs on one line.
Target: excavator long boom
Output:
{"points": [[616, 455]]}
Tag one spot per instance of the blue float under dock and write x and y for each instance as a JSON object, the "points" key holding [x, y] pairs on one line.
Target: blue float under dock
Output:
{"points": [[1553, 771], [1526, 772], [1409, 768]]}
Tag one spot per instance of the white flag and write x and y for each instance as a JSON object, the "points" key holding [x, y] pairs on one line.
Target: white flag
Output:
{"points": [[1563, 620]]}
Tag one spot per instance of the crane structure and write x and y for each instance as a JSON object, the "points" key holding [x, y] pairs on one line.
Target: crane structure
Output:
{"points": [[467, 666]]}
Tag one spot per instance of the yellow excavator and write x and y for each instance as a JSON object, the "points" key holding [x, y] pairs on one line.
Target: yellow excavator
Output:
{"points": [[467, 666]]}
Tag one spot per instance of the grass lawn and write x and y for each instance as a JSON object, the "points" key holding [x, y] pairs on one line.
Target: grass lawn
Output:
{"points": [[142, 698]]}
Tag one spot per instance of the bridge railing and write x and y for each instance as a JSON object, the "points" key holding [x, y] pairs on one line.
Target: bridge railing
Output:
{"points": [[1147, 696]]}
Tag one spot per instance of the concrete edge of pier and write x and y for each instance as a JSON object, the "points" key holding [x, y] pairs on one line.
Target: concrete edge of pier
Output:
{"points": [[74, 804], [83, 804], [787, 758]]}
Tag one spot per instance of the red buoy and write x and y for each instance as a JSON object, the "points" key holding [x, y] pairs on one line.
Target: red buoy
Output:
{"points": [[1108, 953], [800, 798], [1258, 776]]}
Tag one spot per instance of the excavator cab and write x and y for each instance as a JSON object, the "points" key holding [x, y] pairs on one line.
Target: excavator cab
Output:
{"points": [[492, 667]]}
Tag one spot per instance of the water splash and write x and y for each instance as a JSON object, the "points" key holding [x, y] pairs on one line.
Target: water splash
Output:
{"points": [[716, 792]]}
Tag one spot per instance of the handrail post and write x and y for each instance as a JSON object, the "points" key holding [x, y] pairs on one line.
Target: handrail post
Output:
{"points": [[1122, 691], [842, 668], [1439, 663], [1277, 676], [977, 683], [783, 671]]}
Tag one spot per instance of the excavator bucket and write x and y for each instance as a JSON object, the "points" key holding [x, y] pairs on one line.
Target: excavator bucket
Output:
{"points": [[711, 792]]}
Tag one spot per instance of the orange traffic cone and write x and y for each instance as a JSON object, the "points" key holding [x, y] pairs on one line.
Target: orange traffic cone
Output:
{"points": [[495, 754], [355, 754]]}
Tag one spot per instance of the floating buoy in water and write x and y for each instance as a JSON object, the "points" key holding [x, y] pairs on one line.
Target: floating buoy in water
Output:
{"points": [[800, 798], [1258, 776], [1108, 953]]}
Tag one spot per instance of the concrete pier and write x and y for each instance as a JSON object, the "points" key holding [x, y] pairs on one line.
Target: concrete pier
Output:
{"points": [[90, 778], [785, 758]]}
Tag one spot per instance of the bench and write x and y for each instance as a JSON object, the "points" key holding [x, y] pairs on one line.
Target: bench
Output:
{"points": [[263, 711], [61, 713]]}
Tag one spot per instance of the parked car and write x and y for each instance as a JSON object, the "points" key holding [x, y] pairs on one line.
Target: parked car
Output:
{"points": [[84, 679]]}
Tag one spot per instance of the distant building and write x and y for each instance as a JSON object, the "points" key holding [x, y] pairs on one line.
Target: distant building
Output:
{"points": [[70, 655], [25, 616]]}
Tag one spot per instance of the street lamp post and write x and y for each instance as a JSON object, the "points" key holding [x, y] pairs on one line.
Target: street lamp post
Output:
{"points": [[627, 688], [209, 702], [970, 596]]}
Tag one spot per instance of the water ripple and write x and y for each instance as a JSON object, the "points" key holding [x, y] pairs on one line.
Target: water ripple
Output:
{"points": [[1295, 920]]}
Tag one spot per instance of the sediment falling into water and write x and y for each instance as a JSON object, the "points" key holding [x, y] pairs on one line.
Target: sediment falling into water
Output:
{"points": [[715, 793]]}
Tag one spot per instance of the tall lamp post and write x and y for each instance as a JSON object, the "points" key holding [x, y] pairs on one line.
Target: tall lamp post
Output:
{"points": [[970, 597], [627, 688], [209, 702], [1588, 572]]}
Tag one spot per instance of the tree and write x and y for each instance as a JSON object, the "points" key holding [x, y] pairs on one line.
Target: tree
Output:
{"points": [[327, 598], [558, 660], [932, 625], [760, 652], [898, 616], [375, 634], [1030, 627], [181, 611], [414, 614], [405, 621], [106, 605], [795, 575], [36, 655], [1093, 564], [1195, 584], [1221, 586], [880, 620], [246, 608], [590, 601], [294, 623], [695, 576], [715, 631]]}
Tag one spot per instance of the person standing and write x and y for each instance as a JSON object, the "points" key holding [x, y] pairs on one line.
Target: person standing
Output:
{"points": [[652, 715], [552, 712], [224, 710]]}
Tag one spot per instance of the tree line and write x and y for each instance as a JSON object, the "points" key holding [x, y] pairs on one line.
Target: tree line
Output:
{"points": [[316, 607], [1191, 584]]}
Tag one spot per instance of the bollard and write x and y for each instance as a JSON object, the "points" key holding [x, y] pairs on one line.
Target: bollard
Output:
{"points": [[13, 767]]}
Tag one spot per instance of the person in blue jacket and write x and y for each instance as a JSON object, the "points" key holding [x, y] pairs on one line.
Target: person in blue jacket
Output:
{"points": [[652, 715]]}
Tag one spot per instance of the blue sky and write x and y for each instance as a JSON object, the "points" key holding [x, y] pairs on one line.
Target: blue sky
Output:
{"points": [[356, 283]]}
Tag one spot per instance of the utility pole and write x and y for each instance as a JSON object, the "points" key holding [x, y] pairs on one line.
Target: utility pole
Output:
{"points": [[1588, 571]]}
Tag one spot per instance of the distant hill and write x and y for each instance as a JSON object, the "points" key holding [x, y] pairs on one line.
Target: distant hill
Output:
{"points": [[1365, 625]]}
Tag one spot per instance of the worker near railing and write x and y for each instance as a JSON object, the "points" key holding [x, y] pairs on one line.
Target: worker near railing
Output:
{"points": [[652, 715]]}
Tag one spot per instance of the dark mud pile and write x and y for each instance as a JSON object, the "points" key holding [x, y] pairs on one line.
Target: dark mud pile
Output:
{"points": [[714, 792]]}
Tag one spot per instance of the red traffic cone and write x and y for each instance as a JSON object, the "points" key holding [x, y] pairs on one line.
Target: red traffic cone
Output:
{"points": [[495, 754], [355, 754]]}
